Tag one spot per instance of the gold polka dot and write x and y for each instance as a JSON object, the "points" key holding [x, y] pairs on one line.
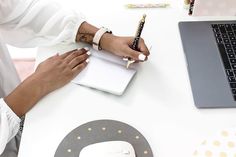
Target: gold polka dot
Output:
{"points": [[224, 133], [89, 129], [103, 128], [223, 154], [119, 131], [204, 142], [195, 153], [216, 143], [69, 150], [208, 153], [145, 152], [137, 137], [231, 144], [78, 137]]}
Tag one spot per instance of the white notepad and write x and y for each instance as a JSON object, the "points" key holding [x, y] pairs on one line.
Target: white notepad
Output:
{"points": [[105, 72]]}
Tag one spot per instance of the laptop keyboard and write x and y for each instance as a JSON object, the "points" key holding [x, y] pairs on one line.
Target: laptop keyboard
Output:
{"points": [[226, 39]]}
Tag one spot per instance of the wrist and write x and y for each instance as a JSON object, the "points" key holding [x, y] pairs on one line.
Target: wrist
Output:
{"points": [[25, 96], [39, 84], [86, 33], [106, 42], [97, 37]]}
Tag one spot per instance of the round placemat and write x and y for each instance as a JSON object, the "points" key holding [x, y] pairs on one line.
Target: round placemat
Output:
{"points": [[101, 131]]}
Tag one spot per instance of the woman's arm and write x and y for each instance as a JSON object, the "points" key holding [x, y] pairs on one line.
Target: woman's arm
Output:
{"points": [[33, 23], [50, 75], [119, 46]]}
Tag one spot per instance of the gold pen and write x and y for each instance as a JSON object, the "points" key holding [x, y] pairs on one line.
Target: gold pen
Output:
{"points": [[136, 40]]}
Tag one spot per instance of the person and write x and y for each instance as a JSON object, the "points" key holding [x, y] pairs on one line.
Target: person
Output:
{"points": [[34, 23]]}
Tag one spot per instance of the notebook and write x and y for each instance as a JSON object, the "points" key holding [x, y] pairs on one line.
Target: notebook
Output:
{"points": [[106, 72], [214, 8]]}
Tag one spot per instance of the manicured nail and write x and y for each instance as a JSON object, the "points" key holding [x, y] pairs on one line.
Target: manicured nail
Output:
{"points": [[86, 48], [142, 57], [89, 53], [125, 59], [87, 60]]}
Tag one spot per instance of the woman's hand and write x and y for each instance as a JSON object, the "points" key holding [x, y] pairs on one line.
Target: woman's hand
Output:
{"points": [[121, 46], [50, 75], [58, 70]]}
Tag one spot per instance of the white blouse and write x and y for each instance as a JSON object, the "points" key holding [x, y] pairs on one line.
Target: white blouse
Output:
{"points": [[28, 23]]}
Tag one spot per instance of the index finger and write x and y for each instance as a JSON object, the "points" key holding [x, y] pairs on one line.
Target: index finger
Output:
{"points": [[64, 55], [83, 50], [143, 48], [135, 55]]}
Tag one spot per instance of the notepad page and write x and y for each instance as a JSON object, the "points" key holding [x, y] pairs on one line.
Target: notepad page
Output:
{"points": [[105, 71], [111, 58], [107, 56], [105, 76]]}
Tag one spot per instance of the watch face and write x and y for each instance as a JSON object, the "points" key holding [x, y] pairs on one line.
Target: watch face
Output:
{"points": [[102, 131]]}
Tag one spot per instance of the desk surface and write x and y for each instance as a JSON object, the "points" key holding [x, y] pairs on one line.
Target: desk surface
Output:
{"points": [[158, 102]]}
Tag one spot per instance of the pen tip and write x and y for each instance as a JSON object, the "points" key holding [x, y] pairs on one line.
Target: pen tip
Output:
{"points": [[144, 16]]}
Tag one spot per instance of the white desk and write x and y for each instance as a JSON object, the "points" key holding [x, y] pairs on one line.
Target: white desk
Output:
{"points": [[158, 102]]}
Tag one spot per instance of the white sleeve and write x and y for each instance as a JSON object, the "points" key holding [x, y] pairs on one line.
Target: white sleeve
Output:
{"points": [[9, 124], [33, 23]]}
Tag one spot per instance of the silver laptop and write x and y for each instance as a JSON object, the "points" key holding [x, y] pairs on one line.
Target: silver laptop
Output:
{"points": [[210, 50]]}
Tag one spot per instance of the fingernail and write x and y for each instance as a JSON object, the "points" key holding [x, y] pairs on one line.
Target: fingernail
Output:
{"points": [[125, 59], [89, 53], [142, 57], [86, 48], [87, 60]]}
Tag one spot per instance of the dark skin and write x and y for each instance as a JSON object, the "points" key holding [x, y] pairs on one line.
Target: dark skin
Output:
{"points": [[59, 70], [117, 45]]}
